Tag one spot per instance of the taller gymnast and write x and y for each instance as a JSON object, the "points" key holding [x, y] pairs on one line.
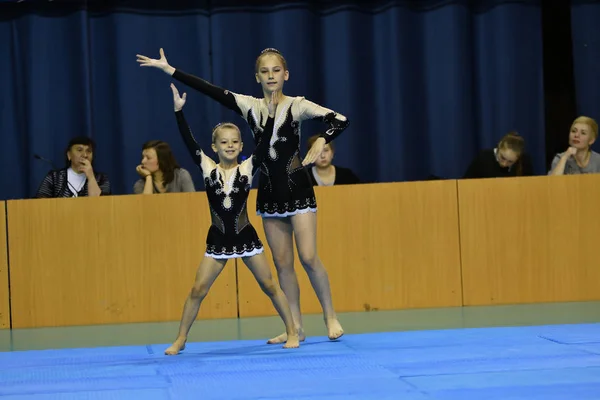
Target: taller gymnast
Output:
{"points": [[286, 199]]}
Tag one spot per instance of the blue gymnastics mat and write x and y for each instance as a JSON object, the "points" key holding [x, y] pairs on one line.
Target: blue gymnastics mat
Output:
{"points": [[542, 362]]}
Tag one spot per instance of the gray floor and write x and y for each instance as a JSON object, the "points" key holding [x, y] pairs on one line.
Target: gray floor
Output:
{"points": [[260, 328]]}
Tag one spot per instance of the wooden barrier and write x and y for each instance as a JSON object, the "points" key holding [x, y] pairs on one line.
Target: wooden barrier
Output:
{"points": [[109, 260], [4, 285], [385, 246], [125, 259], [530, 240]]}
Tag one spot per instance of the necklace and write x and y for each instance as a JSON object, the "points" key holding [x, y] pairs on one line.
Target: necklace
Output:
{"points": [[74, 189]]}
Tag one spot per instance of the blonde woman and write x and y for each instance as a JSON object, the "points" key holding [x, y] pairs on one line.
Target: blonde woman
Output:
{"points": [[579, 158]]}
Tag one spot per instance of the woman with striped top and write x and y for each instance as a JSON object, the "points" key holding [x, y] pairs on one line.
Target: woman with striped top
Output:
{"points": [[78, 178]]}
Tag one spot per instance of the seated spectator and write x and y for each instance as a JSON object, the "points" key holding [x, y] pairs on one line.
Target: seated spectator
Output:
{"points": [[324, 173], [78, 178], [579, 157], [160, 172], [507, 159]]}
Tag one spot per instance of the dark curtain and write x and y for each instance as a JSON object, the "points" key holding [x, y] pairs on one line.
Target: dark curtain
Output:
{"points": [[425, 84]]}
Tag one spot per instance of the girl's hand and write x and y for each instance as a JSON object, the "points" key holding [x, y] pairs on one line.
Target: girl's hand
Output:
{"points": [[178, 101], [161, 63], [314, 152]]}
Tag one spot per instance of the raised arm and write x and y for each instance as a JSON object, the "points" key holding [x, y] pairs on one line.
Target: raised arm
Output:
{"points": [[221, 95], [336, 124], [193, 147]]}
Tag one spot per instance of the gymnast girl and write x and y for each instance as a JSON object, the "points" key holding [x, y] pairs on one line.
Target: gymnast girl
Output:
{"points": [[230, 235]]}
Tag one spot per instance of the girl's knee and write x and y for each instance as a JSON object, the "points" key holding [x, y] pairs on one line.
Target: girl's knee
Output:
{"points": [[199, 291], [269, 287], [309, 260], [283, 262]]}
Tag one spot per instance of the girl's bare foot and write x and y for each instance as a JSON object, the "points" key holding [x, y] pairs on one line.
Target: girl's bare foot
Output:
{"points": [[283, 338], [334, 329], [176, 347], [293, 342]]}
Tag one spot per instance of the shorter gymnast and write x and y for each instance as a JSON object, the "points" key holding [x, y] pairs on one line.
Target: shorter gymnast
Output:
{"points": [[230, 235]]}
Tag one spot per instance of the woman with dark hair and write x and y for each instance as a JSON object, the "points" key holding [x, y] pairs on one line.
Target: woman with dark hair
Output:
{"points": [[78, 178], [160, 172]]}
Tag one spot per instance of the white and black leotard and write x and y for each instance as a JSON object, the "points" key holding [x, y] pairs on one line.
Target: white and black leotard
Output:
{"points": [[231, 234], [285, 187]]}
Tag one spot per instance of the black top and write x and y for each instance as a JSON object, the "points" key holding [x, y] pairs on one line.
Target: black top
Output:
{"points": [[343, 176], [227, 200], [485, 165], [55, 185]]}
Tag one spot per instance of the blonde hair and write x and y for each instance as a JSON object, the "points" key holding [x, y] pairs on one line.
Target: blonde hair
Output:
{"points": [[223, 125], [589, 122], [272, 52]]}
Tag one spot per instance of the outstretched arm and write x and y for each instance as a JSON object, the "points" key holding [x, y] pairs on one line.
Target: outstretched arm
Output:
{"points": [[224, 97], [221, 95]]}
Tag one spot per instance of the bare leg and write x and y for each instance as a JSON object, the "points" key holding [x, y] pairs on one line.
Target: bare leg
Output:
{"points": [[305, 232], [262, 273], [207, 273], [281, 243]]}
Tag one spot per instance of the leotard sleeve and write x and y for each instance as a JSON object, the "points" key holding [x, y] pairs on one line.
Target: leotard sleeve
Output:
{"points": [[336, 123], [239, 103], [206, 164]]}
